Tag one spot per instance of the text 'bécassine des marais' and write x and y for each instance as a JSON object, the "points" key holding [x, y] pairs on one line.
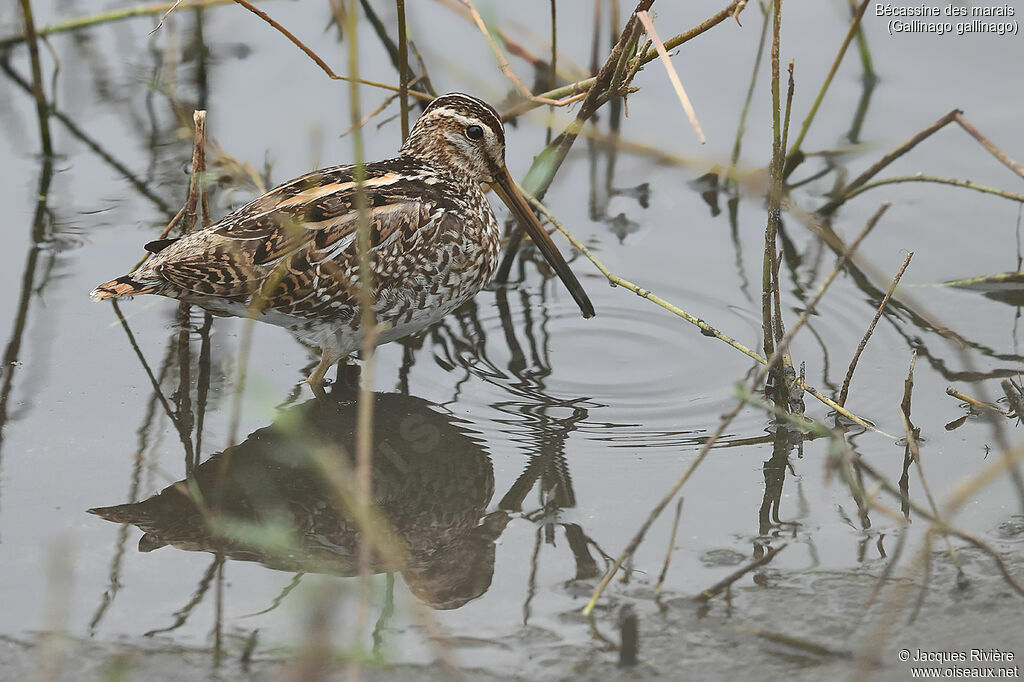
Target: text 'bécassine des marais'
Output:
{"points": [[886, 9]]}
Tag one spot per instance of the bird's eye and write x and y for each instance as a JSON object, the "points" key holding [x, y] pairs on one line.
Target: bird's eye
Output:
{"points": [[474, 132]]}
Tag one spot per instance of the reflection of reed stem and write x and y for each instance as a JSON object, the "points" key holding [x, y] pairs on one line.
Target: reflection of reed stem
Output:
{"points": [[871, 328], [854, 26], [705, 328], [42, 108], [729, 416]]}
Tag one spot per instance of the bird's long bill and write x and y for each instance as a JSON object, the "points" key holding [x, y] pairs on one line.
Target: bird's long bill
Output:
{"points": [[509, 193]]}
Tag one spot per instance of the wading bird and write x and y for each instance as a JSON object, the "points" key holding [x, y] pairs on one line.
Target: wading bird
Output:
{"points": [[290, 257]]}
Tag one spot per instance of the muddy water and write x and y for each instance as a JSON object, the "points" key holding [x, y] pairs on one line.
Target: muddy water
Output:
{"points": [[518, 446]]}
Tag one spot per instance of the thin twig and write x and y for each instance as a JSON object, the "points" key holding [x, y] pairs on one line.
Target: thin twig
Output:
{"points": [[874, 169], [921, 177], [774, 221], [503, 62], [871, 328], [854, 25], [316, 58], [715, 589], [705, 328], [974, 401], [992, 149], [677, 85], [403, 68], [727, 418], [164, 17], [538, 179], [585, 85], [671, 546], [1013, 396]]}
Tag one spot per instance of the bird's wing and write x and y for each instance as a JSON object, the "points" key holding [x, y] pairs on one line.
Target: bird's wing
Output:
{"points": [[306, 230]]}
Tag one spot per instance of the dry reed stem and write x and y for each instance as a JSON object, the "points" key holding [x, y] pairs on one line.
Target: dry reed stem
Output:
{"points": [[160, 23], [185, 218], [714, 590], [195, 188], [886, 160], [727, 418], [790, 87], [992, 149], [677, 85], [871, 328], [585, 85], [938, 527], [967, 489], [503, 62], [774, 196], [671, 546], [922, 177], [403, 68], [368, 324], [320, 62], [145, 365], [553, 66], [541, 174], [705, 328], [869, 652], [366, 119], [974, 401], [798, 643], [111, 16], [1013, 396]]}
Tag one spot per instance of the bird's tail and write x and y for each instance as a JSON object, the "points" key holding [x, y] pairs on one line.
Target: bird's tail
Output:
{"points": [[122, 286]]}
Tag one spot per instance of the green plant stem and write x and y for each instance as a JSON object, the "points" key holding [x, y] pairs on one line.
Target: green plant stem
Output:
{"points": [[854, 25], [862, 48], [874, 169], [921, 177], [705, 328], [111, 16], [728, 417], [741, 128]]}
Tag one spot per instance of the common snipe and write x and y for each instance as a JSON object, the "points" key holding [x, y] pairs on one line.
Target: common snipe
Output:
{"points": [[434, 241]]}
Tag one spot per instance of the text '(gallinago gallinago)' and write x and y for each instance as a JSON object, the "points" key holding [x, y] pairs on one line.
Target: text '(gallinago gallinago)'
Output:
{"points": [[434, 241]]}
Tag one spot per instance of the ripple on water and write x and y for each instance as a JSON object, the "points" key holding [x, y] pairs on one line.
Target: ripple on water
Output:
{"points": [[644, 376]]}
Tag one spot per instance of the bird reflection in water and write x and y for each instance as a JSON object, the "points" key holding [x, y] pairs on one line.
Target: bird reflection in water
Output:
{"points": [[432, 483]]}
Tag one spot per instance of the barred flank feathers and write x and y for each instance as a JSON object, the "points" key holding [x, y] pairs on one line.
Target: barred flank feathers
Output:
{"points": [[122, 286]]}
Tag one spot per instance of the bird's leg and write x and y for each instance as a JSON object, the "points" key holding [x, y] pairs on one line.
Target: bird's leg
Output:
{"points": [[316, 377]]}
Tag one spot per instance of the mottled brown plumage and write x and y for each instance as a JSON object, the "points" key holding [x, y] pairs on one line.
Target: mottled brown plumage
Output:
{"points": [[290, 257]]}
